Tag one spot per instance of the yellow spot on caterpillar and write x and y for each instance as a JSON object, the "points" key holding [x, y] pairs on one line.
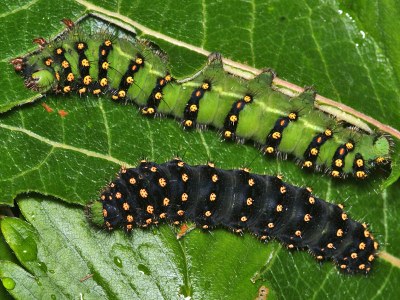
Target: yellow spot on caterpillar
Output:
{"points": [[360, 162], [214, 178], [153, 169], [67, 89], [340, 206], [168, 77], [184, 197], [366, 233], [158, 96], [103, 82], [82, 91], [290, 246], [143, 193], [330, 245], [292, 116], [181, 164], [307, 164], [361, 174], [70, 77], [271, 225], [81, 46], [121, 94], [243, 219], [188, 123], [148, 221], [335, 173], [57, 76], [139, 60], [320, 257], [344, 216], [118, 195], [361, 267], [314, 151], [251, 182], [353, 255], [371, 258], [65, 64], [205, 86], [125, 206], [343, 266], [279, 208], [96, 91], [349, 146], [227, 134], [48, 62], [207, 213], [162, 182], [339, 163], [132, 180], [193, 108], [376, 245], [339, 232], [249, 201], [233, 118], [105, 213], [276, 135], [185, 177], [85, 62], [149, 209], [269, 150], [105, 65], [362, 246], [163, 215], [166, 202], [282, 189], [180, 212], [247, 98], [213, 197], [107, 43], [298, 233], [211, 165], [129, 80], [129, 218], [205, 226], [380, 159], [328, 132], [59, 51], [307, 218], [87, 80]]}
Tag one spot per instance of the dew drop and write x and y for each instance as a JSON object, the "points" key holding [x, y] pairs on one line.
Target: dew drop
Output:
{"points": [[8, 283], [144, 269], [117, 261]]}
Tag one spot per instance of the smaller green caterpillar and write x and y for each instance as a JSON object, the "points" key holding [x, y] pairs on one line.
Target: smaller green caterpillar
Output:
{"points": [[241, 109]]}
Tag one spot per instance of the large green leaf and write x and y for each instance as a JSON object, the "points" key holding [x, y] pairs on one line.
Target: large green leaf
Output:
{"points": [[70, 158]]}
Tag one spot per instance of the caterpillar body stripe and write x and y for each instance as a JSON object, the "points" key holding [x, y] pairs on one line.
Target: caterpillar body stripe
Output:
{"points": [[238, 200], [240, 109]]}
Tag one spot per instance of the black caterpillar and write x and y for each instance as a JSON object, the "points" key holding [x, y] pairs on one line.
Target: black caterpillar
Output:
{"points": [[240, 201], [241, 109]]}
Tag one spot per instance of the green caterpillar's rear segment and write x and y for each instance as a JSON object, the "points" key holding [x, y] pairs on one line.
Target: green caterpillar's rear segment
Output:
{"points": [[131, 70]]}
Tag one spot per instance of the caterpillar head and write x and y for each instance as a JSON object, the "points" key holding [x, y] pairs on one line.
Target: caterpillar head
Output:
{"points": [[37, 68], [382, 146], [95, 213]]}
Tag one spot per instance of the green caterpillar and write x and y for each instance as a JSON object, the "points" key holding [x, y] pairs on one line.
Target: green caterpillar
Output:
{"points": [[241, 109]]}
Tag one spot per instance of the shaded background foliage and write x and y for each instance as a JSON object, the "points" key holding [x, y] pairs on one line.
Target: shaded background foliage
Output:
{"points": [[55, 165]]}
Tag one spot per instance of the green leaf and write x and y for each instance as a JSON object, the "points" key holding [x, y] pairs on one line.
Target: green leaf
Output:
{"points": [[70, 158]]}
